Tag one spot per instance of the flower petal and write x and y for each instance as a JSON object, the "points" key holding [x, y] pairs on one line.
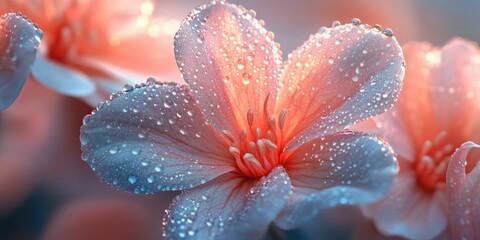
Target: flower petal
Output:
{"points": [[19, 40], [408, 211], [153, 138], [343, 169], [464, 195], [62, 79], [230, 62], [455, 77], [340, 76], [229, 207]]}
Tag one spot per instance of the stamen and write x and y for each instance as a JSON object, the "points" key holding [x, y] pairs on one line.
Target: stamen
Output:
{"points": [[426, 147], [281, 118], [236, 154], [269, 135], [252, 147], [270, 145], [228, 135], [440, 137], [271, 123], [250, 117], [249, 157], [242, 136], [263, 154], [258, 134]]}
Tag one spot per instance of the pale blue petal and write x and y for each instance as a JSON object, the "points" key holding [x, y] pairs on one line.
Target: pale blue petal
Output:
{"points": [[346, 168], [229, 207], [19, 40], [153, 138]]}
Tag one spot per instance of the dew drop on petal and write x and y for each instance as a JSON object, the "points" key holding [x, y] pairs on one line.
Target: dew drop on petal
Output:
{"points": [[132, 179]]}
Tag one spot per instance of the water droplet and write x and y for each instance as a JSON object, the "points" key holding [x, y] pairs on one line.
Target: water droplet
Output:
{"points": [[356, 21], [132, 179], [127, 88], [240, 64], [113, 150], [150, 179], [355, 78], [388, 32], [330, 60], [159, 168], [136, 151]]}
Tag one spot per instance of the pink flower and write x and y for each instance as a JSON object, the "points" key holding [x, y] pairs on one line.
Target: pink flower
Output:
{"points": [[463, 194], [92, 48], [19, 40], [251, 139], [437, 111]]}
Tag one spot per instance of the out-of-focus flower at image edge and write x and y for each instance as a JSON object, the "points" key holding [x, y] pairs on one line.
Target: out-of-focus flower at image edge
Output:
{"points": [[463, 194], [251, 139], [436, 113], [19, 40], [92, 48]]}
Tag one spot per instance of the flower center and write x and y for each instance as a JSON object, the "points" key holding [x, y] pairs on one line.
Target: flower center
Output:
{"points": [[257, 152], [431, 164]]}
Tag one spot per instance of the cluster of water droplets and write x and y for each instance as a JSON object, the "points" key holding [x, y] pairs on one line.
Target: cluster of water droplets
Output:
{"points": [[129, 140], [352, 72], [19, 41]]}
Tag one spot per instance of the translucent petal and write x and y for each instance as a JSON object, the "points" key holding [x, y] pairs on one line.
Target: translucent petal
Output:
{"points": [[19, 40], [464, 194], [230, 62], [61, 78], [340, 76], [153, 138], [346, 168], [229, 207], [408, 211]]}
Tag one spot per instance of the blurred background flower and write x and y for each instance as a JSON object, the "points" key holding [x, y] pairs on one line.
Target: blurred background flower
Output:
{"points": [[41, 173]]}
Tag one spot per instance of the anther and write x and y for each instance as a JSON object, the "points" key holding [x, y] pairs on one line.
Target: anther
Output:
{"points": [[270, 145], [249, 157], [228, 135], [272, 124], [242, 136], [251, 147], [258, 133], [250, 117], [269, 135]]}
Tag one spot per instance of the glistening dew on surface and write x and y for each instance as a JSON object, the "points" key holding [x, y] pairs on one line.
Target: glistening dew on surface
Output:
{"points": [[252, 140], [19, 40]]}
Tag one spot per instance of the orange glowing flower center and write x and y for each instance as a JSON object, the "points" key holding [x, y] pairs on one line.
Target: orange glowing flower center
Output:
{"points": [[257, 152], [432, 162]]}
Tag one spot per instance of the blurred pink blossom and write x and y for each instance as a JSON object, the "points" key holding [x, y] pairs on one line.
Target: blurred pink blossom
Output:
{"points": [[92, 48], [252, 139], [437, 111]]}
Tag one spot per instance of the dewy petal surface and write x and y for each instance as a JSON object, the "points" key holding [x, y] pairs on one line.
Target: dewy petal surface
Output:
{"points": [[228, 207], [339, 76], [464, 194], [19, 40], [346, 168], [230, 62], [153, 138]]}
